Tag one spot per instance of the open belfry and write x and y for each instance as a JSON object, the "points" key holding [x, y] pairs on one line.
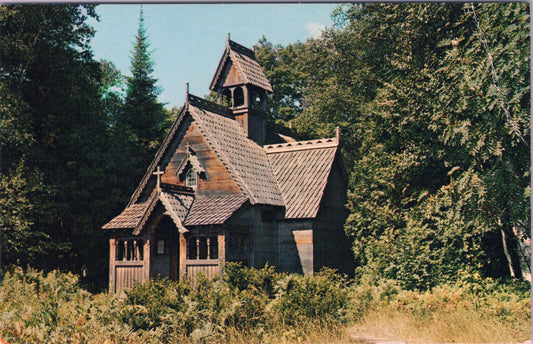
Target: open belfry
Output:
{"points": [[222, 188]]}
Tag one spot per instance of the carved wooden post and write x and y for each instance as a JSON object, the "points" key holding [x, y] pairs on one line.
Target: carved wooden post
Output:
{"points": [[197, 248], [183, 256], [112, 256], [134, 254], [221, 249]]}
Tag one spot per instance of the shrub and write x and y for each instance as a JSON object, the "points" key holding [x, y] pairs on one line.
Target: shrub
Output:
{"points": [[323, 297]]}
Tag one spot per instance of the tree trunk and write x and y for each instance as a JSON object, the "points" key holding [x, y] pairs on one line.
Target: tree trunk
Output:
{"points": [[510, 248]]}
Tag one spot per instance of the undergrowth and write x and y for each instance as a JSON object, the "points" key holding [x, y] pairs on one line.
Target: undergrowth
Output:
{"points": [[257, 305]]}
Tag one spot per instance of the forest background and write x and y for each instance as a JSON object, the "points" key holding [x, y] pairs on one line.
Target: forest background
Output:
{"points": [[433, 101]]}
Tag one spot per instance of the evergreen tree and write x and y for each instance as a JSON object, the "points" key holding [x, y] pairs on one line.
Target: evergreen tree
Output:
{"points": [[143, 118]]}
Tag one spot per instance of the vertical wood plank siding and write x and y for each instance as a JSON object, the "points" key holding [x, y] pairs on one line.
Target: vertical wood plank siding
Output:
{"points": [[209, 270], [126, 276]]}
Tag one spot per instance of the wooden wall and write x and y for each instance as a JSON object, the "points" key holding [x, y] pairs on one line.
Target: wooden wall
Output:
{"points": [[295, 245], [217, 179], [232, 77], [124, 274], [262, 233], [332, 247]]}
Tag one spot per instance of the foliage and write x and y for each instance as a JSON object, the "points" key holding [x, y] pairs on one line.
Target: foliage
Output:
{"points": [[433, 103], [282, 67], [63, 139], [474, 310], [321, 298], [53, 138], [38, 307], [142, 119]]}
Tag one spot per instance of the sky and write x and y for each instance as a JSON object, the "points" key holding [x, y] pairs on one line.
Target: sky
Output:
{"points": [[188, 40]]}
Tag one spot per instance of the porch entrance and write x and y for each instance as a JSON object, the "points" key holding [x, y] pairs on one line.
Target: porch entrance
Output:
{"points": [[165, 250]]}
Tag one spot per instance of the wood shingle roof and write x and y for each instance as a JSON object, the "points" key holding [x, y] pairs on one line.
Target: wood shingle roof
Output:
{"points": [[245, 160], [213, 210], [302, 169], [245, 62], [184, 209], [129, 218]]}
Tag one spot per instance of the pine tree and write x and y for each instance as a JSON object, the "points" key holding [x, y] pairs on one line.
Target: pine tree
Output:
{"points": [[143, 117]]}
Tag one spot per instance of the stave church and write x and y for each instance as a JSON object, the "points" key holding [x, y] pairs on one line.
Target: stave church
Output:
{"points": [[224, 187]]}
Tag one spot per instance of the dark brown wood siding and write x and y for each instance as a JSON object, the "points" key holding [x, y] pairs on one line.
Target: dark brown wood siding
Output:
{"points": [[217, 180], [261, 233]]}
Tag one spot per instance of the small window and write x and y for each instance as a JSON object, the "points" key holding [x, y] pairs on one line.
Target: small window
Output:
{"points": [[161, 247], [226, 98], [238, 96], [191, 179], [256, 101]]}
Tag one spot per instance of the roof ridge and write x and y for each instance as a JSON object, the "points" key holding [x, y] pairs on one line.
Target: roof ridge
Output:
{"points": [[225, 159], [209, 105], [241, 49], [301, 145], [159, 154]]}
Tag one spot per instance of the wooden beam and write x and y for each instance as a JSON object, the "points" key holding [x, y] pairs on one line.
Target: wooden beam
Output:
{"points": [[182, 256], [222, 248], [112, 255]]}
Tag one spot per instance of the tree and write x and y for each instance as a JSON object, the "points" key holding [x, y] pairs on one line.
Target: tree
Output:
{"points": [[53, 136], [434, 103], [282, 67], [142, 117], [443, 159]]}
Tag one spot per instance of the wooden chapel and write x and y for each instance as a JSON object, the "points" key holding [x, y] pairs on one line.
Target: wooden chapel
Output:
{"points": [[221, 188]]}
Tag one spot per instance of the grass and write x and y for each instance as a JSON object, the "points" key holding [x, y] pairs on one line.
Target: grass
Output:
{"points": [[471, 313], [443, 327], [259, 306]]}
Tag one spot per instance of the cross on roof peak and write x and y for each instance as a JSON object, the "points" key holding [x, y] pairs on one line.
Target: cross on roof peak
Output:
{"points": [[158, 173]]}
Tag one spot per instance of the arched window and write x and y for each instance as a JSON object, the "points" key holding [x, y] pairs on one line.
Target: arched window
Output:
{"points": [[226, 98], [202, 248], [238, 96], [120, 250], [192, 248]]}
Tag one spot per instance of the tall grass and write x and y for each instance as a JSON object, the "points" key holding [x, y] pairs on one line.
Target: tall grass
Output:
{"points": [[257, 306], [483, 311]]}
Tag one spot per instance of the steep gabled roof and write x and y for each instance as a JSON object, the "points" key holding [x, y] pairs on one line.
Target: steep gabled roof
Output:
{"points": [[184, 210], [302, 169], [135, 216], [244, 60], [245, 160], [158, 156]]}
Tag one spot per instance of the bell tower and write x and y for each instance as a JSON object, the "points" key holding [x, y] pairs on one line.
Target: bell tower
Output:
{"points": [[242, 86]]}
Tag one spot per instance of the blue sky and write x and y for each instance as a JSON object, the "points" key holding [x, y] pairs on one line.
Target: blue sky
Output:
{"points": [[188, 40]]}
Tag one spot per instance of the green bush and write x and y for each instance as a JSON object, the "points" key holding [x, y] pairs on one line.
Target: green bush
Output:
{"points": [[146, 304], [323, 297]]}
